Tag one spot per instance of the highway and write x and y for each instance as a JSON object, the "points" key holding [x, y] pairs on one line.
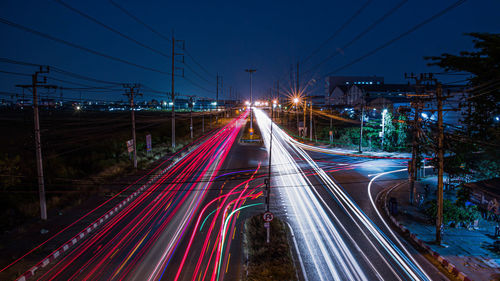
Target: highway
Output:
{"points": [[336, 238], [187, 224], [138, 243]]}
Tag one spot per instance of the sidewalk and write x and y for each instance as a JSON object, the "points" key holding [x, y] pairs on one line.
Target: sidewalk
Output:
{"points": [[475, 253]]}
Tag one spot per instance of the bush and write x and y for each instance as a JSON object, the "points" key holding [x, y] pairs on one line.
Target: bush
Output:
{"points": [[271, 261], [452, 212]]}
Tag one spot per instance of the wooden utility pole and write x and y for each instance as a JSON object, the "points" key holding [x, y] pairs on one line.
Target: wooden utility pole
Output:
{"points": [[132, 92], [439, 218]]}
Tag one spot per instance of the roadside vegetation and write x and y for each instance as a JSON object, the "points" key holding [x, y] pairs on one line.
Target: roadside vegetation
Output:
{"points": [[267, 261], [83, 152]]}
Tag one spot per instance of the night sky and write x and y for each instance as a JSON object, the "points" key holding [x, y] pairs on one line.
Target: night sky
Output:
{"points": [[229, 36]]}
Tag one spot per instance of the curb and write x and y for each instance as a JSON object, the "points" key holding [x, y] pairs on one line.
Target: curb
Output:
{"points": [[98, 222], [444, 262]]}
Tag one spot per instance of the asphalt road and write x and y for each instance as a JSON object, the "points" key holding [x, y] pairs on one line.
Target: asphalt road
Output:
{"points": [[187, 225], [338, 231], [150, 239]]}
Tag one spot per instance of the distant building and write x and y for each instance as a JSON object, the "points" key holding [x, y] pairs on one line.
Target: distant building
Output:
{"points": [[371, 91], [333, 82]]}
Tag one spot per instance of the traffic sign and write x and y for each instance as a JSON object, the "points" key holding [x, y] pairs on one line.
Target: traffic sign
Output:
{"points": [[266, 225], [268, 216]]}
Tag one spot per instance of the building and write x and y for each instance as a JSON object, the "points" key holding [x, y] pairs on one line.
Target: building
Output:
{"points": [[333, 82]]}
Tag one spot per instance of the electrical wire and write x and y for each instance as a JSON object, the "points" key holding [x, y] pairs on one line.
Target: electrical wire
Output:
{"points": [[79, 47], [400, 36], [87, 16]]}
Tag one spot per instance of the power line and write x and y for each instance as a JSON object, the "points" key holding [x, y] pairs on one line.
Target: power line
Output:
{"points": [[14, 73], [76, 46], [140, 21], [111, 29], [360, 35], [400, 36], [346, 23], [161, 35]]}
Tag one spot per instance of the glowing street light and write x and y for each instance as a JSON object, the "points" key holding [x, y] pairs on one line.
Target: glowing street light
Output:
{"points": [[384, 112]]}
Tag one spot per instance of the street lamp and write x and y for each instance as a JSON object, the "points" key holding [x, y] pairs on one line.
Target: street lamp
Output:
{"points": [[296, 102], [251, 71], [384, 112]]}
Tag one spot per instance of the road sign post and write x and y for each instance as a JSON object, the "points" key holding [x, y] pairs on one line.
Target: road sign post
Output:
{"points": [[268, 217]]}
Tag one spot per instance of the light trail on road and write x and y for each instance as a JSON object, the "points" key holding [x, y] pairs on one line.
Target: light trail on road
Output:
{"points": [[138, 242], [337, 239]]}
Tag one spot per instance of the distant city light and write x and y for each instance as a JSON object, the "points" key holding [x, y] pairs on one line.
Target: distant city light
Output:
{"points": [[384, 112], [78, 107], [497, 118], [296, 100], [424, 115], [247, 103]]}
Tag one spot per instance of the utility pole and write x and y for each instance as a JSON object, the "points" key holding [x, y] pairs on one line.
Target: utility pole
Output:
{"points": [[439, 218], [416, 104], [304, 124], [278, 95], [310, 120], [38, 143], [173, 91], [251, 71], [132, 91], [268, 181], [173, 88], [191, 105], [217, 100], [202, 120]]}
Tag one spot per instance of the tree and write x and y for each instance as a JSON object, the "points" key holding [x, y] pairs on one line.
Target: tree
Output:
{"points": [[484, 99], [481, 138], [402, 132], [390, 134]]}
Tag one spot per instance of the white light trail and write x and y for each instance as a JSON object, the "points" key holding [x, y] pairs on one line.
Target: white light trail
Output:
{"points": [[315, 225]]}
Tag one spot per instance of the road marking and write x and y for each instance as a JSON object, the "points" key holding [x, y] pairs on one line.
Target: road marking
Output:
{"points": [[130, 255], [168, 205], [227, 264]]}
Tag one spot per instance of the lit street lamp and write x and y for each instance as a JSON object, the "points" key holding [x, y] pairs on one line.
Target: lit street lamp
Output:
{"points": [[383, 126]]}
